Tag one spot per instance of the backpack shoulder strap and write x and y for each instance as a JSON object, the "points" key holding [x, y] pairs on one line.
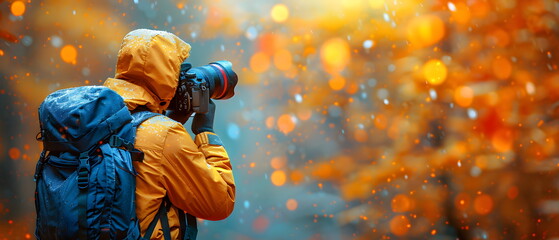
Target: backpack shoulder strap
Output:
{"points": [[141, 116]]}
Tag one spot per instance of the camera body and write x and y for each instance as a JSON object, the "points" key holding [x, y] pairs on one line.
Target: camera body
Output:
{"points": [[194, 90], [197, 85]]}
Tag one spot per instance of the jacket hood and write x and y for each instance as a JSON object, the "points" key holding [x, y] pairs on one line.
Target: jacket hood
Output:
{"points": [[148, 67]]}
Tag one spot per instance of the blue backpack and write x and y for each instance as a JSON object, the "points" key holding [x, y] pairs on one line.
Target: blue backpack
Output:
{"points": [[85, 177]]}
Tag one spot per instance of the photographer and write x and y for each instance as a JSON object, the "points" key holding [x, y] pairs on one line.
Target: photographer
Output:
{"points": [[194, 176]]}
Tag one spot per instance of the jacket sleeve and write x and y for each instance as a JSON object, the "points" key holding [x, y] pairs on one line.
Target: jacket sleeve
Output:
{"points": [[197, 174]]}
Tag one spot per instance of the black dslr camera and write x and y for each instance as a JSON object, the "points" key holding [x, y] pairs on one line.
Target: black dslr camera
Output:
{"points": [[197, 85]]}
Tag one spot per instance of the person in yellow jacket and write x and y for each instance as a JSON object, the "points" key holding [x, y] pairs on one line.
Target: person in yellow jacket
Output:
{"points": [[195, 175]]}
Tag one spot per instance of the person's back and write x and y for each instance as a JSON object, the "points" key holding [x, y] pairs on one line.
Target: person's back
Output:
{"points": [[193, 175]]}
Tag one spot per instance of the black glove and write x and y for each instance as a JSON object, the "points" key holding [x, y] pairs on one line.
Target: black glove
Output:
{"points": [[181, 117], [204, 122]]}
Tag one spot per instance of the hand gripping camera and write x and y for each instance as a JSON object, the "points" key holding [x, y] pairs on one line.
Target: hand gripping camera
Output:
{"points": [[197, 85]]}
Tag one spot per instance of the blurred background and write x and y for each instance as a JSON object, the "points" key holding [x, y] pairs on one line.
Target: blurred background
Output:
{"points": [[352, 119]]}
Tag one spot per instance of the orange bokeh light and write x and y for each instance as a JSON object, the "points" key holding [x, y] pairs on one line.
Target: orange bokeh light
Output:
{"points": [[401, 203], [462, 201], [69, 54], [259, 62], [291, 204], [400, 225], [464, 96], [270, 122], [278, 178], [483, 204], [260, 224], [502, 140], [381, 122], [502, 67], [283, 59], [361, 135], [286, 123], [425, 30], [296, 176], [334, 54], [17, 8], [14, 153], [337, 83], [462, 14], [278, 162], [435, 72]]}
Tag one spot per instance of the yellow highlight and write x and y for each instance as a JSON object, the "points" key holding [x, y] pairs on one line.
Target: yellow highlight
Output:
{"points": [[334, 54], [17, 8], [259, 62], [376, 4], [278, 178], [69, 54], [291, 204], [337, 83], [279, 13], [425, 30], [464, 96], [435, 72]]}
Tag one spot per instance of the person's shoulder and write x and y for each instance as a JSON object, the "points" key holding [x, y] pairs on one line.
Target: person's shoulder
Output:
{"points": [[160, 122], [153, 132]]}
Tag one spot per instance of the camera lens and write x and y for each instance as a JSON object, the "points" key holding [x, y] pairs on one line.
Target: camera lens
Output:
{"points": [[220, 77]]}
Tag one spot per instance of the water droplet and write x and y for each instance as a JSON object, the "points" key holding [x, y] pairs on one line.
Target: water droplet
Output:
{"points": [[298, 98], [27, 41], [251, 33], [433, 94], [383, 93], [472, 113], [386, 17], [86, 71], [368, 44], [246, 204], [56, 41], [475, 171], [451, 7], [530, 88]]}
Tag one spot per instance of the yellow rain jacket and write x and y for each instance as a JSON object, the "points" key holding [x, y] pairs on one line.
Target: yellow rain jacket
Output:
{"points": [[194, 174]]}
